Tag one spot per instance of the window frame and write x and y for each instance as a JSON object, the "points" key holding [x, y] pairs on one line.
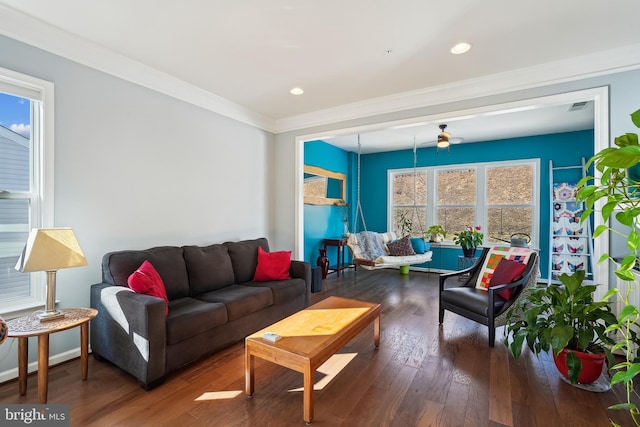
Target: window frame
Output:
{"points": [[390, 197], [479, 217], [41, 174], [482, 205], [535, 197]]}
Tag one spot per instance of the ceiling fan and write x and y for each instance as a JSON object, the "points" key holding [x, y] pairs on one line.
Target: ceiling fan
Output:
{"points": [[444, 138]]}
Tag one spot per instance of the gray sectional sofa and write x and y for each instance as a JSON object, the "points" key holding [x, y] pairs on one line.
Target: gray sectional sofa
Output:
{"points": [[212, 304]]}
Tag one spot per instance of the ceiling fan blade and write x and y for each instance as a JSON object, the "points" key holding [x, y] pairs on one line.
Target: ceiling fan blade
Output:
{"points": [[453, 140]]}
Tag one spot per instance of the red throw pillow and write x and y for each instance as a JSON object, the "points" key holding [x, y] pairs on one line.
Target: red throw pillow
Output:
{"points": [[507, 271], [146, 280], [272, 266]]}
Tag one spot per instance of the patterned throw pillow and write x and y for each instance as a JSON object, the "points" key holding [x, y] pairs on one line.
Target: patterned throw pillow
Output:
{"points": [[4, 331], [493, 259], [401, 247]]}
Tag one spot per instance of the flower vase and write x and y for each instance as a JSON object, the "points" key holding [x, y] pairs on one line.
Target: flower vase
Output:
{"points": [[469, 252], [323, 263]]}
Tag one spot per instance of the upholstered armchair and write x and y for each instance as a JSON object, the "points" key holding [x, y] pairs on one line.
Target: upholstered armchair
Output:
{"points": [[490, 286]]}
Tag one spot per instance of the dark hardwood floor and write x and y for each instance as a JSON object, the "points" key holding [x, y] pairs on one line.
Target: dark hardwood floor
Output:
{"points": [[422, 375]]}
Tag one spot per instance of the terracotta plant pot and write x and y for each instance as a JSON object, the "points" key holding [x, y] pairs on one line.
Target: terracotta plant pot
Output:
{"points": [[591, 365]]}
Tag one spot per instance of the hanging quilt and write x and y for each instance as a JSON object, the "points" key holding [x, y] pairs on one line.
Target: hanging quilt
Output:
{"points": [[569, 245]]}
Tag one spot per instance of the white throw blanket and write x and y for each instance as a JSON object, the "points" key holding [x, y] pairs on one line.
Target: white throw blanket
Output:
{"points": [[370, 244]]}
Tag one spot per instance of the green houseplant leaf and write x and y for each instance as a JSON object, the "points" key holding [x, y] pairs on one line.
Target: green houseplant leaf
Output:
{"points": [[556, 317], [617, 190]]}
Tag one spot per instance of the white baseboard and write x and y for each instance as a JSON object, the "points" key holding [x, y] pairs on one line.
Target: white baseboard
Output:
{"points": [[12, 374]]}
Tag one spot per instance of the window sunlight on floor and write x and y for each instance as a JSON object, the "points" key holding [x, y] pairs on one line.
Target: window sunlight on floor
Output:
{"points": [[331, 368], [219, 395]]}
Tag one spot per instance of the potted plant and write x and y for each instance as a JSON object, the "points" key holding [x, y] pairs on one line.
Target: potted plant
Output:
{"points": [[619, 192], [565, 319], [435, 233], [469, 239], [406, 223]]}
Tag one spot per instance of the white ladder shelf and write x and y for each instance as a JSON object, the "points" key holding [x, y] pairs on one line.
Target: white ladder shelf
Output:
{"points": [[570, 243]]}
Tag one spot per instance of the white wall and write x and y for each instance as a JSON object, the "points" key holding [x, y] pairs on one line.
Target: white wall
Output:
{"points": [[135, 169]]}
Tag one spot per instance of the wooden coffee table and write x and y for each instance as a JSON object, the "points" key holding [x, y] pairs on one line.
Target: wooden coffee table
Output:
{"points": [[309, 338]]}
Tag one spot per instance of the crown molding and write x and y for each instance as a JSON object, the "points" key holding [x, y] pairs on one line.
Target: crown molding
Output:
{"points": [[606, 62], [34, 32], [29, 30]]}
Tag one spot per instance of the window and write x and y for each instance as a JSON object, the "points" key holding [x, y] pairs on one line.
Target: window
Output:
{"points": [[509, 202], [498, 196], [456, 199], [409, 202], [25, 197]]}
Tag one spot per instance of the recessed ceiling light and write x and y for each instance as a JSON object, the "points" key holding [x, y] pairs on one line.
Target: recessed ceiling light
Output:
{"points": [[296, 91], [460, 48]]}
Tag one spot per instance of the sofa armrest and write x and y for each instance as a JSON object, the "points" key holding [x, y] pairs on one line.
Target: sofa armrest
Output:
{"points": [[130, 331], [302, 270]]}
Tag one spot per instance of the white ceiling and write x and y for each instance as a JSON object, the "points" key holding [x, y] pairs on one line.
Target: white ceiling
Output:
{"points": [[246, 55], [532, 120]]}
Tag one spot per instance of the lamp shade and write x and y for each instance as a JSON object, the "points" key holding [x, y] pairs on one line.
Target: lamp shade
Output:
{"points": [[50, 249]]}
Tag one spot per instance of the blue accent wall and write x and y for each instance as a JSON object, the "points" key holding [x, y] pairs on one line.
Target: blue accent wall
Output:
{"points": [[565, 149], [325, 221]]}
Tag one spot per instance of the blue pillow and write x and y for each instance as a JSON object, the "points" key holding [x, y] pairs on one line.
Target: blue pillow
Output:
{"points": [[427, 247], [418, 245]]}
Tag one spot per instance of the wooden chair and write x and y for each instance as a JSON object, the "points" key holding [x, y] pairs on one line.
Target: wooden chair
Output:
{"points": [[483, 306]]}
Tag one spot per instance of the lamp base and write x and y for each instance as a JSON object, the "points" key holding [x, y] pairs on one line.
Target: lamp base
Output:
{"points": [[47, 316]]}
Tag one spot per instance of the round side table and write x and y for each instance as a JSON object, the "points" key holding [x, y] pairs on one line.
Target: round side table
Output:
{"points": [[30, 326]]}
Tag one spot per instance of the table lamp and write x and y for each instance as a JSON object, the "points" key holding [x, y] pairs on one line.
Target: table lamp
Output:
{"points": [[50, 249]]}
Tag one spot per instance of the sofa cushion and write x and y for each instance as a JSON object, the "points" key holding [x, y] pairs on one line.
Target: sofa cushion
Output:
{"points": [[471, 299], [244, 257], [189, 317], [167, 260], [272, 266], [146, 280], [209, 268], [240, 300], [283, 290]]}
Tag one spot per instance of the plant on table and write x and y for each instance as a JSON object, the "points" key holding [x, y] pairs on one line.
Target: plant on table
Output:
{"points": [[617, 190], [470, 237], [558, 318], [435, 233], [405, 222]]}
